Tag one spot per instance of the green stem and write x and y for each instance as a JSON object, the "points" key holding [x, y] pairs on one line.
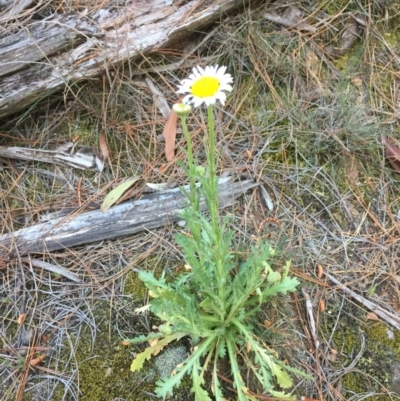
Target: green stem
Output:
{"points": [[194, 195], [213, 205], [194, 198], [213, 200]]}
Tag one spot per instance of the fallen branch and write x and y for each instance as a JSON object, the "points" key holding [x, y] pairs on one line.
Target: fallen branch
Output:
{"points": [[82, 159], [155, 210]]}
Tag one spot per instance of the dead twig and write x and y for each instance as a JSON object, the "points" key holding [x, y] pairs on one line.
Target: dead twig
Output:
{"points": [[301, 26], [384, 314], [54, 269], [311, 320]]}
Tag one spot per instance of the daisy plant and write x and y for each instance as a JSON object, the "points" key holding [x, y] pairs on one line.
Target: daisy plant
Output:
{"points": [[215, 301]]}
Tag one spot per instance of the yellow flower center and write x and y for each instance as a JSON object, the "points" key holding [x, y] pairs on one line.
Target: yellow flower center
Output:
{"points": [[205, 87]]}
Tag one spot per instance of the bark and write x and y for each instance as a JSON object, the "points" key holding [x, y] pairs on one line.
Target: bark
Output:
{"points": [[155, 210], [83, 159], [44, 56]]}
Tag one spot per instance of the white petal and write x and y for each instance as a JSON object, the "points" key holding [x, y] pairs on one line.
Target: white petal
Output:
{"points": [[187, 99], [197, 101], [186, 81], [226, 87], [200, 70], [210, 100], [226, 79], [222, 97], [221, 71], [182, 90]]}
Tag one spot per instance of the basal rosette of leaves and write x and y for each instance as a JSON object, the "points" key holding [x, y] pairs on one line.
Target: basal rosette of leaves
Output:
{"points": [[213, 302]]}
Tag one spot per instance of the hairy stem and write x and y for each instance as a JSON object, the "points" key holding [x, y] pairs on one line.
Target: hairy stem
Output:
{"points": [[213, 205], [193, 197]]}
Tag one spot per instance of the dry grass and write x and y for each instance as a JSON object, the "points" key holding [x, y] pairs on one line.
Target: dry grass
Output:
{"points": [[304, 120]]}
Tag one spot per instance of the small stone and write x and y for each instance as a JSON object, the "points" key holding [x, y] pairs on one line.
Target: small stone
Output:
{"points": [[26, 337], [170, 358], [395, 384], [390, 334]]}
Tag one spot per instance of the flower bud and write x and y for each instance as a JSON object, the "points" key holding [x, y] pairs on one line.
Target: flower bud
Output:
{"points": [[182, 109], [200, 170], [273, 277]]}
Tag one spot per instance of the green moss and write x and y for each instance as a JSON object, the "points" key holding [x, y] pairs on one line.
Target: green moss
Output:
{"points": [[379, 332], [374, 369], [134, 286], [105, 372], [104, 366], [104, 363]]}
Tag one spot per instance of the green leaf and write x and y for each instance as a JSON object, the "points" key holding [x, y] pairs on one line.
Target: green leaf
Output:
{"points": [[282, 395], [284, 380], [143, 338], [282, 377], [199, 393], [206, 237], [238, 382], [221, 348], [116, 193], [263, 375], [294, 370], [288, 284], [165, 386], [141, 358], [286, 269], [150, 281], [215, 385]]}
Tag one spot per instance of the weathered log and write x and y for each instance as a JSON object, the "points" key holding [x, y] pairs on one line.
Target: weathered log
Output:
{"points": [[30, 66], [43, 39], [11, 9], [155, 210], [83, 158]]}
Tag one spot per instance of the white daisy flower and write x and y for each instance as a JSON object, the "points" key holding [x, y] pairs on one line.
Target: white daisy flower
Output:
{"points": [[206, 86]]}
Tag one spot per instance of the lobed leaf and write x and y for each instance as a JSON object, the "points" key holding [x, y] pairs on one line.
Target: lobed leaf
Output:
{"points": [[216, 386], [141, 358], [288, 284], [200, 394], [238, 382], [143, 338], [165, 386], [262, 355]]}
